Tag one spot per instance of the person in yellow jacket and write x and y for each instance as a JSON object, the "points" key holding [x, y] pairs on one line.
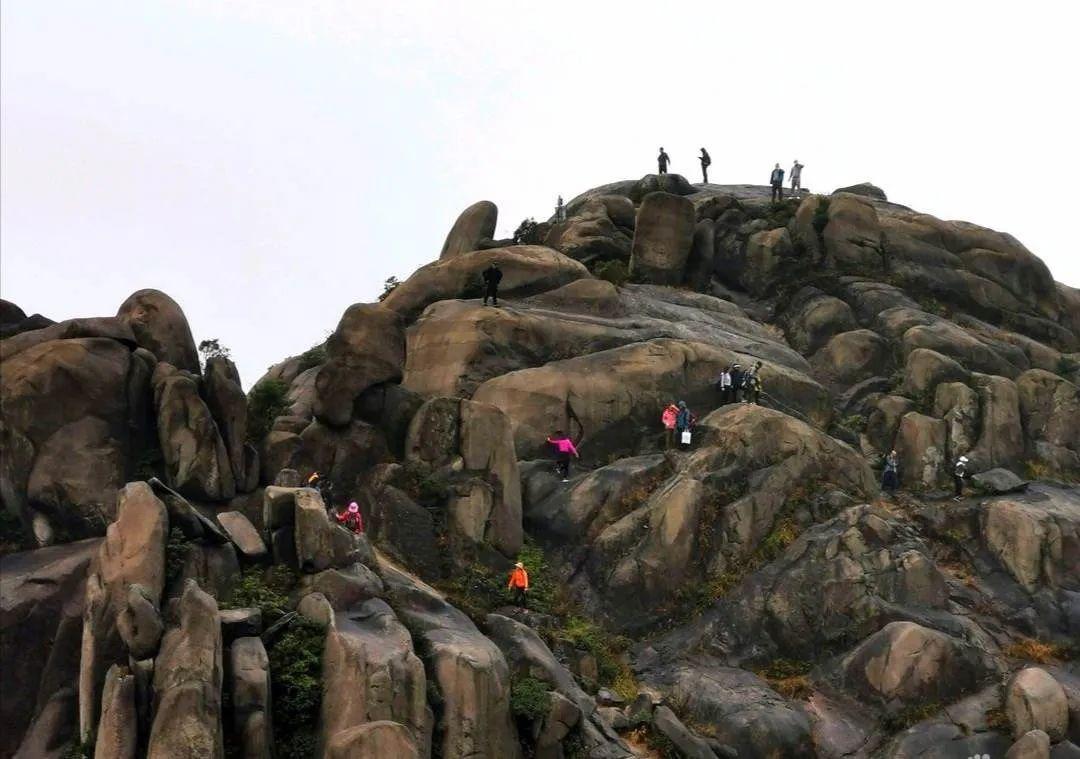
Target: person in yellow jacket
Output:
{"points": [[519, 584]]}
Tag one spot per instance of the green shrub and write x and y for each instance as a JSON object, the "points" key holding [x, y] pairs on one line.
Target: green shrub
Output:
{"points": [[529, 698], [542, 584], [266, 402], [526, 234], [421, 482], [908, 716], [606, 648], [312, 357], [476, 590], [264, 589], [1066, 367], [177, 549], [389, 285], [296, 688], [615, 272]]}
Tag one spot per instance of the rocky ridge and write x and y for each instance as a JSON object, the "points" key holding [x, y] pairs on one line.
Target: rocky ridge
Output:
{"points": [[755, 595]]}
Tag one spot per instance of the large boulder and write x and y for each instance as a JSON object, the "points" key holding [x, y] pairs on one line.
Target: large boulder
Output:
{"points": [[618, 394], [187, 683], [921, 443], [467, 668], [909, 663], [1035, 536], [321, 544], [1036, 701], [132, 554], [958, 405], [600, 229], [160, 326], [1048, 406], [118, 728], [767, 251], [1001, 434], [41, 611], [66, 404], [662, 238], [196, 460], [475, 225], [446, 431], [699, 264], [228, 405], [368, 347], [925, 369], [370, 673], [853, 356], [249, 668], [373, 740], [527, 270], [865, 189], [813, 317]]}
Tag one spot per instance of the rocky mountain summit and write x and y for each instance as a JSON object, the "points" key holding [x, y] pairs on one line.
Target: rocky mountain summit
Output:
{"points": [[171, 587]]}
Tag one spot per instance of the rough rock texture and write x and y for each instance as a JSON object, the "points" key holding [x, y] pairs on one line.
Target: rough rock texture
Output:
{"points": [[321, 544], [1036, 701], [159, 326], [250, 672], [1034, 744], [663, 234], [187, 683], [372, 740], [371, 674], [475, 224], [132, 554], [228, 405], [921, 443], [117, 730]]}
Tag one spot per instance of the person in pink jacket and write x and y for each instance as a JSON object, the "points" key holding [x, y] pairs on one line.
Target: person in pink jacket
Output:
{"points": [[668, 417], [352, 519], [564, 449]]}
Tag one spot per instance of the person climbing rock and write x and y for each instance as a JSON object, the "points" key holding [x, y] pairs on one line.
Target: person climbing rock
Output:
{"points": [[796, 177], [684, 423], [706, 162], [662, 161], [723, 385], [890, 476], [564, 450], [737, 375], [518, 584], [326, 489], [667, 418], [777, 182], [352, 519], [492, 276], [752, 384], [958, 475], [560, 211]]}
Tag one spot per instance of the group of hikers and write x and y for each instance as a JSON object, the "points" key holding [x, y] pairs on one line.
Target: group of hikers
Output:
{"points": [[350, 517], [890, 474], [776, 179]]}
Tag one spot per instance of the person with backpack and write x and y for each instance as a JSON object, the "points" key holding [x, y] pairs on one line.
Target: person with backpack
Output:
{"points": [[352, 519], [723, 385], [706, 162], [959, 473], [325, 488], [890, 476], [684, 423], [564, 450], [492, 276], [796, 177], [776, 179], [518, 584], [752, 385], [737, 376], [667, 418], [662, 161]]}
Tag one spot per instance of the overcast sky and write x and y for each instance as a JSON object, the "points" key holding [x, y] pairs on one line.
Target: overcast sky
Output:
{"points": [[268, 163]]}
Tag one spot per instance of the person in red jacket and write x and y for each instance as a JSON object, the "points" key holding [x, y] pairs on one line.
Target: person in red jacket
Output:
{"points": [[519, 584], [352, 519]]}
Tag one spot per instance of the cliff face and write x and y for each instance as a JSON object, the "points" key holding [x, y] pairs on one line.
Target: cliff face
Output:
{"points": [[751, 594]]}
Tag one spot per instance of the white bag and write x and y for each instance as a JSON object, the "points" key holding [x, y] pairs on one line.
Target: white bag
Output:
{"points": [[686, 437]]}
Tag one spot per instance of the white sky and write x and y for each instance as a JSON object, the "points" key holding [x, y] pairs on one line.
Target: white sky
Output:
{"points": [[267, 163]]}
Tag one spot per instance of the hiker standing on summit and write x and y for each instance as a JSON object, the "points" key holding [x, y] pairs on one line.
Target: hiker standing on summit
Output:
{"points": [[706, 162], [662, 161], [492, 276], [777, 182], [796, 178]]}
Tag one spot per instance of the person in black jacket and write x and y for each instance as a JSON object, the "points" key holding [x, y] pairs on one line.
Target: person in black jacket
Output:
{"points": [[492, 276], [737, 376]]}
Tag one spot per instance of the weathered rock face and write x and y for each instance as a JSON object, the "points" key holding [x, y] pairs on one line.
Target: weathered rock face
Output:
{"points": [[196, 460], [1048, 404], [1001, 436], [67, 403], [40, 628], [913, 664], [813, 318], [602, 228], [662, 238], [446, 431], [618, 394], [958, 405], [160, 327], [469, 670], [475, 225], [926, 369], [250, 672], [1036, 537], [371, 674], [187, 683], [321, 544], [921, 443], [374, 739], [1036, 701], [228, 405], [118, 729], [865, 189], [527, 269], [853, 356], [132, 554], [368, 347], [1034, 744]]}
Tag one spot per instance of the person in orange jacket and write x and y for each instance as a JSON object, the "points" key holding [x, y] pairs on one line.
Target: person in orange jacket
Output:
{"points": [[352, 519], [519, 584]]}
